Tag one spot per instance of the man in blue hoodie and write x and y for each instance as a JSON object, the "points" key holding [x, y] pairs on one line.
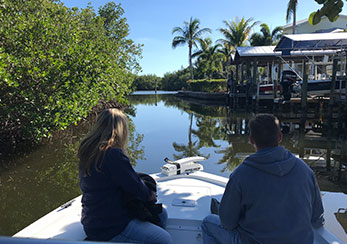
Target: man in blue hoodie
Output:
{"points": [[272, 197]]}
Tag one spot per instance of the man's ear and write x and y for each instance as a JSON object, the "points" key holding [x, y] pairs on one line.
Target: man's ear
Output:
{"points": [[251, 140], [280, 137]]}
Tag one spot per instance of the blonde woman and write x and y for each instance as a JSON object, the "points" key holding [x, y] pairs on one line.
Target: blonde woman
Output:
{"points": [[106, 177]]}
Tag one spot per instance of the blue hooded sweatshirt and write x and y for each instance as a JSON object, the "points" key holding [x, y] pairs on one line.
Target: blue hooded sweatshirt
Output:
{"points": [[272, 198]]}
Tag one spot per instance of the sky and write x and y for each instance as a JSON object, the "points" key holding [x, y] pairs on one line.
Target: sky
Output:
{"points": [[151, 23]]}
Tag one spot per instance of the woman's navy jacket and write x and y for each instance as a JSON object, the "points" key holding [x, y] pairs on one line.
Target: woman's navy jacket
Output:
{"points": [[103, 212]]}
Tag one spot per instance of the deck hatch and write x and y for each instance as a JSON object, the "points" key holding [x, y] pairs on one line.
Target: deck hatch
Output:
{"points": [[180, 202]]}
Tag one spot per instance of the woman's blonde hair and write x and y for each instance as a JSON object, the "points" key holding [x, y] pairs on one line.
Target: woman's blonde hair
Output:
{"points": [[110, 130]]}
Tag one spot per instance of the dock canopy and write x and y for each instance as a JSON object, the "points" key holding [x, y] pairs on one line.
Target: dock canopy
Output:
{"points": [[315, 41], [261, 53]]}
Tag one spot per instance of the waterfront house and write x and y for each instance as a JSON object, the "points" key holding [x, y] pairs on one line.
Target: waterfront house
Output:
{"points": [[303, 26]]}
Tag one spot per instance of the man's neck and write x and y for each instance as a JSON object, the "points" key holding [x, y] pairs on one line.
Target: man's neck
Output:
{"points": [[257, 149]]}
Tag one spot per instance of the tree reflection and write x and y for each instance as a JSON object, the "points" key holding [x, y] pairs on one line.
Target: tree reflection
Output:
{"points": [[228, 158], [208, 130], [47, 178], [190, 150], [234, 130]]}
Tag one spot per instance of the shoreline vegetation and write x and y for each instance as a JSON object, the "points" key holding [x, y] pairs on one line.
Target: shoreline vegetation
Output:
{"points": [[59, 64]]}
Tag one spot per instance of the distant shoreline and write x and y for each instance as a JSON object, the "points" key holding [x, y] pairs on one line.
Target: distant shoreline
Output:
{"points": [[152, 92]]}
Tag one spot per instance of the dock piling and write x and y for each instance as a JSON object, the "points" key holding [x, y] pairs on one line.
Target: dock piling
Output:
{"points": [[330, 113]]}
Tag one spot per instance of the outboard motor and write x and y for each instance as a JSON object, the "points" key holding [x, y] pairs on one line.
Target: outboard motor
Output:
{"points": [[288, 79]]}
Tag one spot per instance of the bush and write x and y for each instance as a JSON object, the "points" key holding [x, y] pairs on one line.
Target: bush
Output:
{"points": [[175, 81], [147, 82], [216, 85], [56, 63]]}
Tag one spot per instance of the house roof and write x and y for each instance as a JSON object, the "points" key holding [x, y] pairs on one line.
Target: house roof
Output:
{"points": [[300, 22], [262, 53], [265, 54], [314, 41], [255, 51]]}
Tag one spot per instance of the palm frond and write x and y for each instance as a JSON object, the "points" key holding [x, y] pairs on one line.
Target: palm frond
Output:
{"points": [[201, 32], [292, 4], [178, 41], [197, 53], [257, 39], [178, 30], [277, 33]]}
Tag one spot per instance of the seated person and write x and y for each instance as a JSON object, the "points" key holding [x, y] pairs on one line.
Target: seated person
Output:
{"points": [[107, 179], [272, 197]]}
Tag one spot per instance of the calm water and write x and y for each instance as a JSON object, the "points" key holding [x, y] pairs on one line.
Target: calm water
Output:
{"points": [[162, 126]]}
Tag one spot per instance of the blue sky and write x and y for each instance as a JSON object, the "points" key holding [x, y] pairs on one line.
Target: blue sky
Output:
{"points": [[151, 23]]}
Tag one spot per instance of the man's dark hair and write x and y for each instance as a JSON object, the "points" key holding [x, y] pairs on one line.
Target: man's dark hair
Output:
{"points": [[265, 130]]}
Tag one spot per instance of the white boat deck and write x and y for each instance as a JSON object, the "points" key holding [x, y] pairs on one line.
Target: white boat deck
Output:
{"points": [[187, 199]]}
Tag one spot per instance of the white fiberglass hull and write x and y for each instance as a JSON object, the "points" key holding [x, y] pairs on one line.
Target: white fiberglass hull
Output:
{"points": [[186, 197]]}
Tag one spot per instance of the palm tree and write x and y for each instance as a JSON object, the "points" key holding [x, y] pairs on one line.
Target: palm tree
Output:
{"points": [[209, 59], [200, 64], [226, 50], [266, 37], [204, 45], [291, 11], [237, 31], [236, 34], [189, 34]]}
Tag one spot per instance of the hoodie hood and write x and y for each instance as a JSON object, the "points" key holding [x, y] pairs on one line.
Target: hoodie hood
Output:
{"points": [[274, 160]]}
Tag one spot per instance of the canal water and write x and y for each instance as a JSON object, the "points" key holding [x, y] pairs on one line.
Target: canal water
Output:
{"points": [[161, 125]]}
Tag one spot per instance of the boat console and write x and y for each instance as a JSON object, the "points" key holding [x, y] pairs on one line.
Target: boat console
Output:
{"points": [[182, 166]]}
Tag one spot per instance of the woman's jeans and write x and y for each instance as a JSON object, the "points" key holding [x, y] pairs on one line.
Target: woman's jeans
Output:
{"points": [[214, 233], [138, 231]]}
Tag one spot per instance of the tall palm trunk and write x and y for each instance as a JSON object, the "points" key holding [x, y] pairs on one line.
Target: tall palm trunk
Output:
{"points": [[189, 34], [294, 20], [190, 129], [190, 61]]}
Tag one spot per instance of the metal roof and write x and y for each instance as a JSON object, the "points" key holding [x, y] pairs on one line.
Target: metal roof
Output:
{"points": [[315, 41], [256, 51], [266, 54]]}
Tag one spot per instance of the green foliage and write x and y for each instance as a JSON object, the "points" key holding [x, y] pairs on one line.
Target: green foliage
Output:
{"points": [[216, 85], [226, 50], [266, 37], [147, 82], [209, 60], [291, 10], [189, 34], [56, 63], [177, 80], [236, 32], [330, 9]]}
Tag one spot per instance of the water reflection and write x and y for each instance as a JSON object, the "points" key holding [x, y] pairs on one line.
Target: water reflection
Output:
{"points": [[34, 184], [220, 133], [192, 148], [161, 126]]}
